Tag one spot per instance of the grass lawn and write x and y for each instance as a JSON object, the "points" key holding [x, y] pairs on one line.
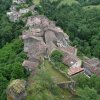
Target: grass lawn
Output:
{"points": [[57, 76], [91, 7]]}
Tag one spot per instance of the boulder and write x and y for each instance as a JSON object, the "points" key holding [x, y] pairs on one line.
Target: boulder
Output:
{"points": [[16, 90]]}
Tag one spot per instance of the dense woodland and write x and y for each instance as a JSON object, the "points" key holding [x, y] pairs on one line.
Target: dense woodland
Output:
{"points": [[83, 27], [89, 2], [8, 30], [11, 54]]}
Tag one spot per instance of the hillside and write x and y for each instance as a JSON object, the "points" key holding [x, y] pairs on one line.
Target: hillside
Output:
{"points": [[50, 49], [81, 25]]}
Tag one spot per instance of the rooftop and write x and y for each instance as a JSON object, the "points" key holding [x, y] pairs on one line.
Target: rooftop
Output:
{"points": [[93, 62], [69, 50], [70, 60], [74, 70], [95, 70]]}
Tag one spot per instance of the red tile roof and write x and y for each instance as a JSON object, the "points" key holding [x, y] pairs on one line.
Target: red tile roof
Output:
{"points": [[75, 70]]}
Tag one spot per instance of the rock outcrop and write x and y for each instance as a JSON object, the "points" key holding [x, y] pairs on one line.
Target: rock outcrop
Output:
{"points": [[42, 37], [16, 90]]}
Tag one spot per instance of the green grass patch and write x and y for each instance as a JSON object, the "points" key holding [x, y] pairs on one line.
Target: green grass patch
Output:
{"points": [[57, 76], [38, 86]]}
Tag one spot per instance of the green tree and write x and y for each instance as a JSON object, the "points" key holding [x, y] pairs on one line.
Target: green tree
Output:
{"points": [[87, 94], [56, 56]]}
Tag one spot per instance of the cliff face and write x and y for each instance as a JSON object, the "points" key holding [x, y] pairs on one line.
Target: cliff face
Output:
{"points": [[16, 90], [42, 37]]}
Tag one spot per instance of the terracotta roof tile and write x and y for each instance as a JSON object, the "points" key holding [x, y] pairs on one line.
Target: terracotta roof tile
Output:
{"points": [[75, 70]]}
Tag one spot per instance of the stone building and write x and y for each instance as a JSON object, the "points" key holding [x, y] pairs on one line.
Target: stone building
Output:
{"points": [[92, 66], [72, 61]]}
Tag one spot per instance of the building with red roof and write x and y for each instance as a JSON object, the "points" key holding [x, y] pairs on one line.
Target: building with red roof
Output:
{"points": [[75, 70]]}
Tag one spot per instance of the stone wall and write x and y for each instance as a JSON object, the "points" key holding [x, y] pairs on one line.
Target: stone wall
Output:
{"points": [[70, 85]]}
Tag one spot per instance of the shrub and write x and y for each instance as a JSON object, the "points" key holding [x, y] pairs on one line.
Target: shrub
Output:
{"points": [[56, 56]]}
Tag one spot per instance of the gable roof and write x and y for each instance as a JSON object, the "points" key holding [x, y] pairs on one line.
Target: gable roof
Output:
{"points": [[93, 62], [70, 60], [75, 70], [95, 70], [69, 50]]}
